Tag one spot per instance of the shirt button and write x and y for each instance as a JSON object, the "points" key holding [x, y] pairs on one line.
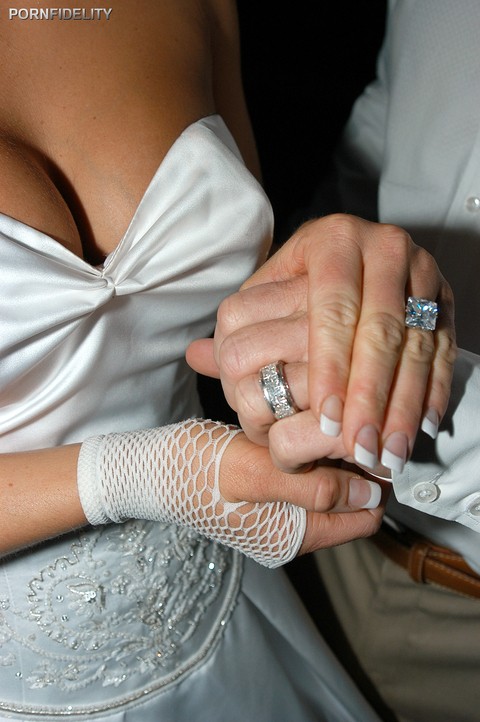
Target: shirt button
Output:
{"points": [[426, 492], [474, 508], [472, 204]]}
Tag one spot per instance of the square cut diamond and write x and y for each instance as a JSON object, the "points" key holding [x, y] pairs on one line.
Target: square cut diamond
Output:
{"points": [[421, 313]]}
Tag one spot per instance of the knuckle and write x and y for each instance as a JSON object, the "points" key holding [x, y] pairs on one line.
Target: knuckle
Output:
{"points": [[384, 332], [342, 227], [283, 443], [370, 394], [338, 229], [340, 312], [231, 357], [229, 313], [420, 346], [344, 223], [326, 493], [397, 242], [448, 349], [447, 355]]}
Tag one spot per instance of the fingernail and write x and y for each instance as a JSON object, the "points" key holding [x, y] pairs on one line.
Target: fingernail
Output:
{"points": [[364, 494], [395, 451], [331, 416], [366, 446], [430, 423]]}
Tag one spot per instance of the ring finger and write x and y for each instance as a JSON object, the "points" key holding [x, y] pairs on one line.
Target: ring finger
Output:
{"points": [[248, 349], [387, 358], [421, 386], [253, 411]]}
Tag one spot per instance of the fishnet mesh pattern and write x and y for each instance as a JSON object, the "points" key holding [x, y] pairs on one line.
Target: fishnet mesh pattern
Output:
{"points": [[172, 474]]}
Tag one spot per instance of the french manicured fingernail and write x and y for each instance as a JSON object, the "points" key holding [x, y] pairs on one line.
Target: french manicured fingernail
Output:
{"points": [[364, 494], [331, 416], [366, 447], [395, 450], [430, 423]]}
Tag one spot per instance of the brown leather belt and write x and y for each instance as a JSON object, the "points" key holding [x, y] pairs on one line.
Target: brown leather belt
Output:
{"points": [[428, 563]]}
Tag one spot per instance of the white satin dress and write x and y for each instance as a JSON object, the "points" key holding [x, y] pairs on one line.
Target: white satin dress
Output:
{"points": [[144, 621]]}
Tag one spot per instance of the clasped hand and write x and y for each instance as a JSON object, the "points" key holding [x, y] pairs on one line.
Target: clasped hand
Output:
{"points": [[331, 304]]}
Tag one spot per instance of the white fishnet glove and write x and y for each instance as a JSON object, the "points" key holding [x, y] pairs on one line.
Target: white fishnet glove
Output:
{"points": [[172, 474]]}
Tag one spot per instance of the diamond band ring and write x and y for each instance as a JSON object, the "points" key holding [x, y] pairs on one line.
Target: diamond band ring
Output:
{"points": [[421, 313], [276, 390]]}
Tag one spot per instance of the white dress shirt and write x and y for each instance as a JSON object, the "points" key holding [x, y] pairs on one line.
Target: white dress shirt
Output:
{"points": [[411, 156]]}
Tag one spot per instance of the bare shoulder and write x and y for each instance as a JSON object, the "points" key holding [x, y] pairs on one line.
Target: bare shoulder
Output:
{"points": [[227, 79]]}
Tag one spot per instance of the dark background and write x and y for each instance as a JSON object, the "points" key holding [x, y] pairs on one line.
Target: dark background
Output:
{"points": [[304, 63]]}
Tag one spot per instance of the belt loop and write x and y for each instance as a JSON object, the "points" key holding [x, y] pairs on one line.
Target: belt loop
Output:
{"points": [[416, 561]]}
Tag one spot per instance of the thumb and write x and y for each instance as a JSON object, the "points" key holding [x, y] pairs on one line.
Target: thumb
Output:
{"points": [[200, 358]]}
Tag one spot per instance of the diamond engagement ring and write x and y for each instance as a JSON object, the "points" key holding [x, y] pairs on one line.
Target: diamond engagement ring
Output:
{"points": [[276, 390], [421, 313]]}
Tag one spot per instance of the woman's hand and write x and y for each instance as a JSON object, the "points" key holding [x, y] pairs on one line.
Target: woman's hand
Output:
{"points": [[333, 297], [209, 477], [341, 505]]}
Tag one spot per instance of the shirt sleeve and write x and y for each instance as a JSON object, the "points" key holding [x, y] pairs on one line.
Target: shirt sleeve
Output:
{"points": [[443, 476]]}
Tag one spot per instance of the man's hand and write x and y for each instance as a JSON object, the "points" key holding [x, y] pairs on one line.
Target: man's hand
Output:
{"points": [[331, 304]]}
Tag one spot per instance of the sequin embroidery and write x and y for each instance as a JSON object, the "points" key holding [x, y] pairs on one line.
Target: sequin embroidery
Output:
{"points": [[131, 606]]}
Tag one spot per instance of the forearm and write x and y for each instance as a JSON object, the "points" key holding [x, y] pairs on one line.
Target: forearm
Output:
{"points": [[38, 496], [197, 473]]}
